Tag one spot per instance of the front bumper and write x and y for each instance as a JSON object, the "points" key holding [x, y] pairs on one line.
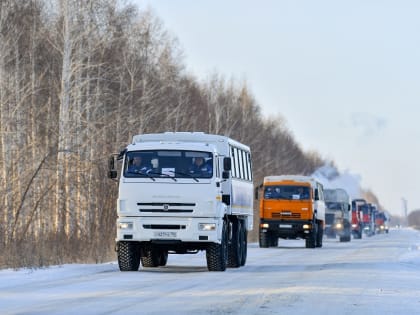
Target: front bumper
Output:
{"points": [[157, 229], [287, 228]]}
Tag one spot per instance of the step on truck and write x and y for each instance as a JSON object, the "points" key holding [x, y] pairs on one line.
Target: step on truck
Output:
{"points": [[181, 193], [338, 214], [291, 207]]}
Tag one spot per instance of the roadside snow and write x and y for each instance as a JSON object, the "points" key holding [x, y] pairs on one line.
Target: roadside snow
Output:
{"points": [[375, 275]]}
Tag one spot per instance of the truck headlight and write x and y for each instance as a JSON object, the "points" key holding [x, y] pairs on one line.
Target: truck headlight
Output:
{"points": [[125, 225], [306, 226], [206, 226], [354, 225], [338, 226], [264, 225]]}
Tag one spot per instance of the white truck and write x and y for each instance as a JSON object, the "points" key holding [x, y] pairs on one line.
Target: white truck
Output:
{"points": [[172, 204], [338, 214]]}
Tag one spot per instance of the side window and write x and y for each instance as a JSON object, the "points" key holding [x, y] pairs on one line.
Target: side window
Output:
{"points": [[232, 156], [248, 157], [237, 167], [241, 165], [246, 177]]}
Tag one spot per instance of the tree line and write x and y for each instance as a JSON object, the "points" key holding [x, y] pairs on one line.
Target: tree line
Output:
{"points": [[79, 78]]}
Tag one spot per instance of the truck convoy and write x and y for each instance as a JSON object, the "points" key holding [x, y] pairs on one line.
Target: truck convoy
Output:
{"points": [[291, 207], [357, 217], [338, 214], [180, 193]]}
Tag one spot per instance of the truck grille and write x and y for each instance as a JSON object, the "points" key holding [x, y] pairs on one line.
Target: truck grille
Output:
{"points": [[170, 207], [164, 226], [329, 218], [285, 215]]}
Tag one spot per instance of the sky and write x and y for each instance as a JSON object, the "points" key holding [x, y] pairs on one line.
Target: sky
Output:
{"points": [[345, 75]]}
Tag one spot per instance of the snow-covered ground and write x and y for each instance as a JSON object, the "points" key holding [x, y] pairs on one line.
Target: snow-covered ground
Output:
{"points": [[375, 275]]}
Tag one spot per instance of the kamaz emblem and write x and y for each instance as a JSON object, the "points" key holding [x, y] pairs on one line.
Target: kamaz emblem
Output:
{"points": [[165, 207]]}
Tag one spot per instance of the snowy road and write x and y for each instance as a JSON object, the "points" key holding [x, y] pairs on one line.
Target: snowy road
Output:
{"points": [[376, 275]]}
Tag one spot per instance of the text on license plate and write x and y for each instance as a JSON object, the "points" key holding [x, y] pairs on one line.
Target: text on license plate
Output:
{"points": [[285, 226], [165, 234]]}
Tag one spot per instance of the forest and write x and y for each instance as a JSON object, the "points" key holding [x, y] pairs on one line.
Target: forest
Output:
{"points": [[77, 80]]}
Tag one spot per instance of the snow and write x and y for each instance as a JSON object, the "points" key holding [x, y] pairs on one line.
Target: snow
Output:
{"points": [[374, 275]]}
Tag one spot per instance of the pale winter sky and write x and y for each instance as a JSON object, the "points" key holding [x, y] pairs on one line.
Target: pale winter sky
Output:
{"points": [[344, 74]]}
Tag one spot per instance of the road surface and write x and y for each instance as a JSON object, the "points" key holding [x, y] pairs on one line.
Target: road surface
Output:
{"points": [[374, 275]]}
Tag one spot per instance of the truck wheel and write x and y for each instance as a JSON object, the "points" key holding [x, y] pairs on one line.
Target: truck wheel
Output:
{"points": [[150, 257], [128, 256], [235, 246], [274, 241], [264, 239], [244, 239], [319, 234], [163, 258], [216, 254], [310, 242]]}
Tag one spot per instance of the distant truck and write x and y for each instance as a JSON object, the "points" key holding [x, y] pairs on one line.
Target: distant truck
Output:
{"points": [[338, 214], [381, 222], [291, 207], [369, 211], [357, 217], [193, 192]]}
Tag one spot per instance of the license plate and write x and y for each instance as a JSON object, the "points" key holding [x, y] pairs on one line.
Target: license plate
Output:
{"points": [[165, 234], [288, 226]]}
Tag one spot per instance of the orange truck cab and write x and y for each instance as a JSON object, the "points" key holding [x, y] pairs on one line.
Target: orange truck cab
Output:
{"points": [[291, 207]]}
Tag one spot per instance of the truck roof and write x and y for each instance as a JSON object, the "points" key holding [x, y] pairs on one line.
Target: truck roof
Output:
{"points": [[187, 137], [336, 195], [290, 178]]}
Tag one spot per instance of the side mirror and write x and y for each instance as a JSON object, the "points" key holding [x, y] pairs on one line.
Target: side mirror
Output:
{"points": [[227, 164], [112, 172], [256, 193], [111, 163]]}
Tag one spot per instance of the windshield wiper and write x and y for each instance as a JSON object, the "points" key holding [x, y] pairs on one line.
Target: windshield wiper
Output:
{"points": [[185, 174], [143, 174], [161, 174]]}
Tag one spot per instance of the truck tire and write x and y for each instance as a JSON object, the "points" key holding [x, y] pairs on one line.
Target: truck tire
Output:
{"points": [[150, 257], [216, 254], [235, 245], [163, 258], [319, 234], [347, 236], [311, 241], [274, 241], [244, 233], [264, 239], [128, 256]]}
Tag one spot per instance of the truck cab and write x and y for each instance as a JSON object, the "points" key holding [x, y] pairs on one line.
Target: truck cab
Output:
{"points": [[338, 214], [291, 207]]}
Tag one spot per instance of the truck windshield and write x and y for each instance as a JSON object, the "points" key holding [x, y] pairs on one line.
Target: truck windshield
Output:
{"points": [[287, 192], [168, 163]]}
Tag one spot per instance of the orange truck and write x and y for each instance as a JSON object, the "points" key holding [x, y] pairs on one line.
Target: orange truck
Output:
{"points": [[291, 207]]}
